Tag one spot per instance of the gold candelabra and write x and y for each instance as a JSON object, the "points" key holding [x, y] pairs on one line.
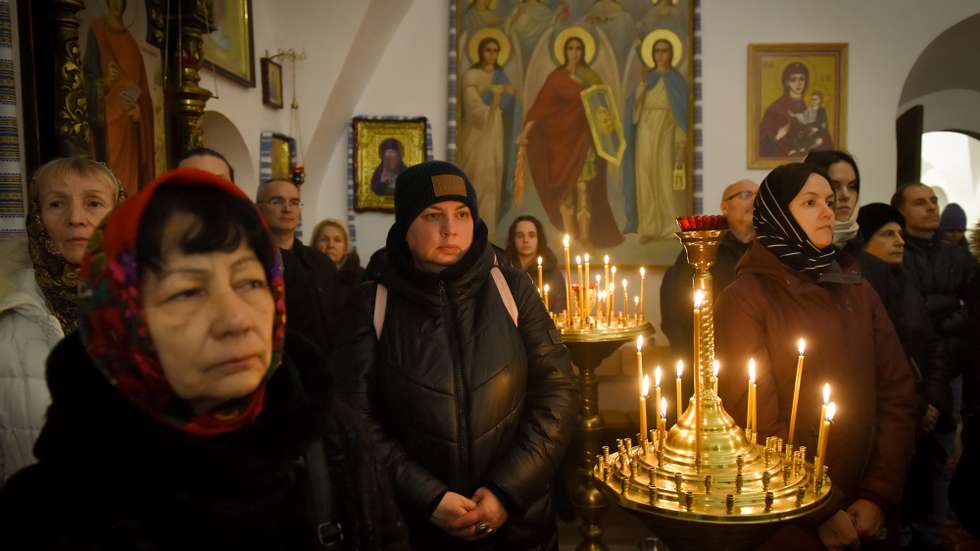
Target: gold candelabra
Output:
{"points": [[706, 482]]}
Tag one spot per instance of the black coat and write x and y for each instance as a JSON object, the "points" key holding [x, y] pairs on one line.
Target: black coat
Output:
{"points": [[458, 397], [922, 345], [677, 296], [111, 477], [942, 273], [312, 294]]}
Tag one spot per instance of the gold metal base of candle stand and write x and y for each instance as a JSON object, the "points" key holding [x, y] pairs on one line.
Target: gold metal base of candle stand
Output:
{"points": [[588, 349], [709, 484]]}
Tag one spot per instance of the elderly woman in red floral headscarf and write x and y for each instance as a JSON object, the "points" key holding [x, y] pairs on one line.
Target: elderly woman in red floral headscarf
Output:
{"points": [[67, 198], [182, 415]]}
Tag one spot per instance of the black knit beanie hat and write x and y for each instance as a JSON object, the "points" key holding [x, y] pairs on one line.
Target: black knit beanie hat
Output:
{"points": [[425, 184], [873, 216]]}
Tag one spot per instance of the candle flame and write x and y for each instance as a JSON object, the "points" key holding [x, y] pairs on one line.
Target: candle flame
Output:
{"points": [[540, 261], [643, 271], [663, 408], [715, 368], [598, 280], [566, 241], [636, 300], [801, 346], [657, 374], [612, 286], [752, 370], [698, 298], [831, 411], [826, 393], [639, 343], [605, 259], [680, 368], [586, 257], [646, 386], [547, 287], [578, 259], [613, 270], [624, 284]]}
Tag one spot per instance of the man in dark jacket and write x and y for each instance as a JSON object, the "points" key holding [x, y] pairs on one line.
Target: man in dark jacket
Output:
{"points": [[676, 294], [881, 264], [942, 273], [311, 278], [470, 401]]}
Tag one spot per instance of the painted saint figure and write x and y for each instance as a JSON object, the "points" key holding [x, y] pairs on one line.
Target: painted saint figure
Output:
{"points": [[487, 133], [659, 112], [391, 164], [119, 105], [569, 177]]}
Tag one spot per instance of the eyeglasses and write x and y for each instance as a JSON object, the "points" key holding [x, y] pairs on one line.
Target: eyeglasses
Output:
{"points": [[280, 202], [743, 195]]}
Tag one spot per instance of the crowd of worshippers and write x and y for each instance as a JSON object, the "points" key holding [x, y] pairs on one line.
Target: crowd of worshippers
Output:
{"points": [[180, 371]]}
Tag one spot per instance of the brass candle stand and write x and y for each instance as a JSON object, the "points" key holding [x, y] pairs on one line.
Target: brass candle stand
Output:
{"points": [[707, 483], [588, 347]]}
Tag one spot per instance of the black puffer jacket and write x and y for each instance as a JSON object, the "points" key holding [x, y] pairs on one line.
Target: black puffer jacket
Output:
{"points": [[458, 396], [111, 477], [942, 273]]}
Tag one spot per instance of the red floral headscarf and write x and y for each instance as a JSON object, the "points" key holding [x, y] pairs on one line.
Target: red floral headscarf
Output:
{"points": [[113, 325]]}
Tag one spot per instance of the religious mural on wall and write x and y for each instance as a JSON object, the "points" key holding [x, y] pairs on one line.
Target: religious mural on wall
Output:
{"points": [[124, 90], [579, 112]]}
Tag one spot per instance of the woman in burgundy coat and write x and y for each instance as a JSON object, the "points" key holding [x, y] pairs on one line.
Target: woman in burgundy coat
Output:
{"points": [[793, 283]]}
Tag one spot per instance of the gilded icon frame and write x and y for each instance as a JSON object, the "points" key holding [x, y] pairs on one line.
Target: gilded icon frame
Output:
{"points": [[826, 67], [369, 136], [236, 63]]}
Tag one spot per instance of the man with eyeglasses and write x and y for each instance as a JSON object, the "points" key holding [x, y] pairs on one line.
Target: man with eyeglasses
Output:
{"points": [[310, 276], [675, 293]]}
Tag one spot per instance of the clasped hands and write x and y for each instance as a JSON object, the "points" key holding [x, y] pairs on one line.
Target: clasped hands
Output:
{"points": [[469, 518], [845, 530]]}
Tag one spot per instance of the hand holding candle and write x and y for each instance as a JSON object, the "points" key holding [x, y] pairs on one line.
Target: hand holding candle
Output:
{"points": [[801, 347]]}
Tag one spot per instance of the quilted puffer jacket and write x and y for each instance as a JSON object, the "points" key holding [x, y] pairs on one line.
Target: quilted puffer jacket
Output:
{"points": [[458, 397], [28, 332]]}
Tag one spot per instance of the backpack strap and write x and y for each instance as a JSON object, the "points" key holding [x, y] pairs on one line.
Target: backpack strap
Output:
{"points": [[380, 305], [381, 301], [505, 295]]}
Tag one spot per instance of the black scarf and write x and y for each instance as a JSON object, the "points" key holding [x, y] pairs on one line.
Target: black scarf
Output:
{"points": [[778, 230]]}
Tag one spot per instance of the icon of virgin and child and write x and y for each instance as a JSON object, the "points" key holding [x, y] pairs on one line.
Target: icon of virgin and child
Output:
{"points": [[605, 149], [796, 123]]}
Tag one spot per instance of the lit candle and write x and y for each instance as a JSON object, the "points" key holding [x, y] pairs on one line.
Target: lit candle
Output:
{"points": [[680, 388], [826, 400], [636, 309], [601, 305], [641, 312], [587, 301], [605, 268], [540, 273], [612, 309], [611, 301], [547, 305], [598, 303], [626, 301], [568, 272], [645, 392], [662, 423], [715, 368], [801, 347], [750, 414], [581, 286], [828, 415], [644, 385], [657, 376]]}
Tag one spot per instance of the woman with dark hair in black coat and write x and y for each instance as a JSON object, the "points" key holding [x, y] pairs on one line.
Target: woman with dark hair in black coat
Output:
{"points": [[845, 179], [526, 243]]}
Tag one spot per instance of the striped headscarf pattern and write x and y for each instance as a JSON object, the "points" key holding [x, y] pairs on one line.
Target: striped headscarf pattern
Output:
{"points": [[778, 230]]}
